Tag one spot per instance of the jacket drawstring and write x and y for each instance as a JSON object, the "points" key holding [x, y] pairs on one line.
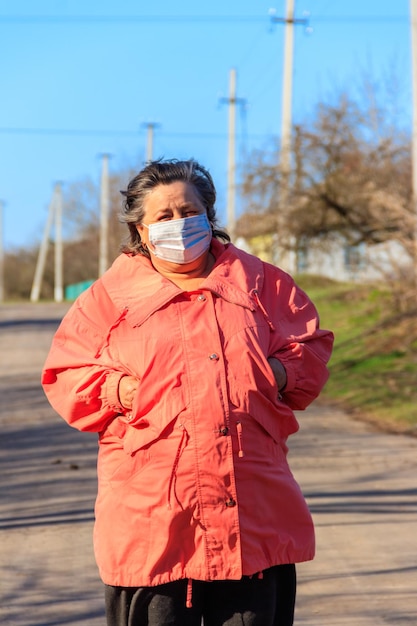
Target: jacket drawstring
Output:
{"points": [[175, 465], [239, 438], [261, 306], [112, 327], [189, 599]]}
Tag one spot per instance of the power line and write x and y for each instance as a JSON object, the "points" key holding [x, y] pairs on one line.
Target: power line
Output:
{"points": [[64, 131], [103, 132], [53, 19], [111, 19], [359, 18]]}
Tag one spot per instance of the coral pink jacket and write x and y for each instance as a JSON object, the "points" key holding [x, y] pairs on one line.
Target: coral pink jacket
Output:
{"points": [[194, 481]]}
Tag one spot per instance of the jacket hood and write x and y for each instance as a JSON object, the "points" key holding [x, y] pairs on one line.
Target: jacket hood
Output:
{"points": [[142, 290]]}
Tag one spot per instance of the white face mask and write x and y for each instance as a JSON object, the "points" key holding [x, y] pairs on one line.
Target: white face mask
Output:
{"points": [[180, 241]]}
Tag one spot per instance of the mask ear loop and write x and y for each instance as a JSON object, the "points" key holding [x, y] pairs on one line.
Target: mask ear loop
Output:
{"points": [[143, 248], [142, 245]]}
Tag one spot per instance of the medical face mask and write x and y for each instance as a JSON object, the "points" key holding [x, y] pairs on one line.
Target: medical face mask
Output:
{"points": [[180, 241]]}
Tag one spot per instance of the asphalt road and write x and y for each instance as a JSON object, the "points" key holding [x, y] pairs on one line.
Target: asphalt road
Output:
{"points": [[361, 486]]}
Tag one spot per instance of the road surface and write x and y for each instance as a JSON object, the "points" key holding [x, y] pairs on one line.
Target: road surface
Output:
{"points": [[361, 486]]}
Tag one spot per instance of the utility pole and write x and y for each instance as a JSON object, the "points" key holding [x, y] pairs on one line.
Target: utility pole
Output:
{"points": [[59, 265], [40, 265], [287, 89], [1, 253], [150, 126], [103, 261], [232, 100], [413, 21], [286, 121]]}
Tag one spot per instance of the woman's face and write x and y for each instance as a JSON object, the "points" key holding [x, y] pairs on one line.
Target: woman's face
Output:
{"points": [[166, 203], [169, 202]]}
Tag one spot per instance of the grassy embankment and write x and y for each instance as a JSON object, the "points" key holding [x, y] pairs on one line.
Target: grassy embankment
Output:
{"points": [[373, 370]]}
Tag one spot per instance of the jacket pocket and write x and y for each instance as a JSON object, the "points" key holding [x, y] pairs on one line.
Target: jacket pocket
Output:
{"points": [[142, 429], [157, 360], [147, 431], [257, 396], [116, 462]]}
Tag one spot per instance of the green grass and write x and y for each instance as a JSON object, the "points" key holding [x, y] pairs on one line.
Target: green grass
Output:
{"points": [[373, 369]]}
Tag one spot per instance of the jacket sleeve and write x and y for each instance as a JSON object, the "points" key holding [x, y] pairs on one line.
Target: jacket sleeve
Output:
{"points": [[80, 379], [297, 340]]}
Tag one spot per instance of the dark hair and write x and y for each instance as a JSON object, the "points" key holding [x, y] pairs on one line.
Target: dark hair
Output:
{"points": [[165, 172]]}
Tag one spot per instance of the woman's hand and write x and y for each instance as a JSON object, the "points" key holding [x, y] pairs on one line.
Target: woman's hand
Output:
{"points": [[128, 388], [279, 372]]}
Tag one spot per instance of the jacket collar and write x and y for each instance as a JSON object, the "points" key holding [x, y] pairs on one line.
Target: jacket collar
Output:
{"points": [[138, 290]]}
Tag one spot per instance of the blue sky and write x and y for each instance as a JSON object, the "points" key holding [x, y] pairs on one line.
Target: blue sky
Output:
{"points": [[83, 77]]}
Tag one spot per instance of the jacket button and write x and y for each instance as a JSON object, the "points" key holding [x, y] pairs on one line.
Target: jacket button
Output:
{"points": [[231, 502], [202, 297], [224, 431], [214, 357]]}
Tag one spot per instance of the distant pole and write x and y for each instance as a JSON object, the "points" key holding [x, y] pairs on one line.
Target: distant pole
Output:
{"points": [[1, 253], [40, 265], [232, 100], [59, 252], [231, 168], [287, 89], [150, 126], [103, 262], [286, 116], [413, 20]]}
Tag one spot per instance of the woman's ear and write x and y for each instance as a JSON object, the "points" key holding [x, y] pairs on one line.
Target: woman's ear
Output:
{"points": [[144, 235]]}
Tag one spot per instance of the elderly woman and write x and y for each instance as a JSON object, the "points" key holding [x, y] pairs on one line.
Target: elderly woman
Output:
{"points": [[188, 358]]}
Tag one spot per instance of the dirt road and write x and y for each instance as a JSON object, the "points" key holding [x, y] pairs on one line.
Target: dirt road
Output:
{"points": [[361, 486]]}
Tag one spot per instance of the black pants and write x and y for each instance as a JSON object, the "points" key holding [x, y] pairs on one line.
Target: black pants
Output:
{"points": [[251, 601]]}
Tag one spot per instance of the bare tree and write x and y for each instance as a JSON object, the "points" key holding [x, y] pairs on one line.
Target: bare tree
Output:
{"points": [[350, 181]]}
